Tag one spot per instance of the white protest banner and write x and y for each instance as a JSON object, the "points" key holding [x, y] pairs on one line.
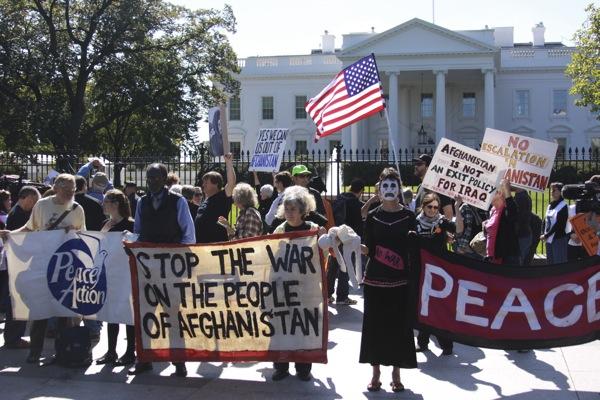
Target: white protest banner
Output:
{"points": [[258, 299], [457, 169], [59, 274], [268, 151], [528, 162]]}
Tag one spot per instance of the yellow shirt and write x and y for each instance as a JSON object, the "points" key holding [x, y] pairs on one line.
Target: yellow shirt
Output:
{"points": [[46, 211]]}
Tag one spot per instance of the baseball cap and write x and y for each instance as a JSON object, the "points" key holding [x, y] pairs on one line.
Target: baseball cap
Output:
{"points": [[300, 170], [423, 158]]}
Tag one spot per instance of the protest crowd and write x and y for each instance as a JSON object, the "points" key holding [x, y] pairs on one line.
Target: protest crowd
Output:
{"points": [[392, 225]]}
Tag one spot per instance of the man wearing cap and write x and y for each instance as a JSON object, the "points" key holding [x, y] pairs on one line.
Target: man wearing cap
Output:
{"points": [[301, 176], [421, 166], [100, 184]]}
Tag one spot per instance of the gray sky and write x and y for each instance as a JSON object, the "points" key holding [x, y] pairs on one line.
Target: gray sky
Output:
{"points": [[278, 27]]}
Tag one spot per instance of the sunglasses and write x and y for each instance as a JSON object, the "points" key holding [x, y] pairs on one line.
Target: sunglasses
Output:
{"points": [[432, 207]]}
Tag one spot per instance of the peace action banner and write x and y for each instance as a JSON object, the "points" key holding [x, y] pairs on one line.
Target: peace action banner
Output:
{"points": [[258, 299], [509, 307], [457, 169], [268, 151], [528, 162], [59, 274]]}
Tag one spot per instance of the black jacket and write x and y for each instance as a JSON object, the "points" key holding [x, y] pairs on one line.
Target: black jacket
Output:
{"points": [[507, 242]]}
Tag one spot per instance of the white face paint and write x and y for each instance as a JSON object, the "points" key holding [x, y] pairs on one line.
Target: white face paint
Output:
{"points": [[389, 189]]}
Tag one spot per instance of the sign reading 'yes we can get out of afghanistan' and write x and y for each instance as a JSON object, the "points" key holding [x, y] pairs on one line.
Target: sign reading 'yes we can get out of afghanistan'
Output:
{"points": [[528, 162], [268, 151]]}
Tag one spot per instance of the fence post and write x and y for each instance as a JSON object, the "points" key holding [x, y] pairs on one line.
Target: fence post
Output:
{"points": [[338, 161]]}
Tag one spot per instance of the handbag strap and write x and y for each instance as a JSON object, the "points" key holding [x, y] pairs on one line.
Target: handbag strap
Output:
{"points": [[62, 217]]}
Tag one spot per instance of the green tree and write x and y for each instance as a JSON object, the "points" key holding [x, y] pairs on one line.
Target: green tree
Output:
{"points": [[63, 61], [584, 68]]}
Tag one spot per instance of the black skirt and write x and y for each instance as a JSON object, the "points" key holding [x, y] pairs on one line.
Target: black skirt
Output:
{"points": [[387, 337]]}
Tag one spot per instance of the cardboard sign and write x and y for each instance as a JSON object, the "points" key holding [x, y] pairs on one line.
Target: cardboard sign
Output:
{"points": [[58, 274], [457, 169], [528, 162], [268, 151], [261, 299], [585, 233]]}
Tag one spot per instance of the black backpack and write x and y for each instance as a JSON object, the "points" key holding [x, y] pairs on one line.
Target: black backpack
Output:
{"points": [[74, 347], [339, 210]]}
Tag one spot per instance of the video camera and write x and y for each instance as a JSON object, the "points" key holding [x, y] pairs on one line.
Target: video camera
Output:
{"points": [[587, 196]]}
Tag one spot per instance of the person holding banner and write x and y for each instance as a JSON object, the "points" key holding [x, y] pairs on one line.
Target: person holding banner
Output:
{"points": [[555, 233], [502, 245], [116, 206], [296, 205], [249, 223], [387, 336], [162, 217], [432, 230]]}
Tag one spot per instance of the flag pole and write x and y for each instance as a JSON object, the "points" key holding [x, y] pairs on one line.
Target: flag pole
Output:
{"points": [[393, 142]]}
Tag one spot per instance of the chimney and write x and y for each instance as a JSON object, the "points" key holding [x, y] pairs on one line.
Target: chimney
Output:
{"points": [[328, 43], [538, 34]]}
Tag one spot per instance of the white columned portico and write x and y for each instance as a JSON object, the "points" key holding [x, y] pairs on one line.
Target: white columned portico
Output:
{"points": [[488, 89], [393, 108], [440, 104]]}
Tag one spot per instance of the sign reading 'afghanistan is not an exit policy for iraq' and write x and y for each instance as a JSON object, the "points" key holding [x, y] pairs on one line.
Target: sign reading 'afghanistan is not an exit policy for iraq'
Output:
{"points": [[260, 299], [457, 169]]}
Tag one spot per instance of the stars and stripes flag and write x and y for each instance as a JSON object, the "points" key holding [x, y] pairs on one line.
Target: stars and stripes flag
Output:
{"points": [[354, 94]]}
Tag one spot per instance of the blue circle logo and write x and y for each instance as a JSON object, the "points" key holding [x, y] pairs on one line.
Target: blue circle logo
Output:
{"points": [[77, 275]]}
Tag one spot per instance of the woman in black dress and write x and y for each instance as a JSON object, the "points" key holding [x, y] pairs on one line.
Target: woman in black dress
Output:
{"points": [[387, 336], [116, 206]]}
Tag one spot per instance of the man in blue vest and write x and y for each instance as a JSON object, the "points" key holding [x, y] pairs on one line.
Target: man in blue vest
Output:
{"points": [[162, 217]]}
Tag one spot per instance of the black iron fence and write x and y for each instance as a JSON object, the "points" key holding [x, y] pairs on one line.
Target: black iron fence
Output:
{"points": [[336, 169]]}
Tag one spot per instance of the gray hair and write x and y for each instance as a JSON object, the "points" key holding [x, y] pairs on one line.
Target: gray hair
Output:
{"points": [[267, 189], [176, 188], [244, 195], [297, 196], [64, 180]]}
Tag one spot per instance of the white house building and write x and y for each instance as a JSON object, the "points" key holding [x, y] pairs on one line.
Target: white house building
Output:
{"points": [[451, 83]]}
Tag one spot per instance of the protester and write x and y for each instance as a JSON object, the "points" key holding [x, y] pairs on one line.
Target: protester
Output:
{"points": [[172, 179], [130, 190], [94, 219], [472, 225], [349, 205], [266, 196], [421, 166], [555, 234], [502, 245], [296, 205], [301, 176], [281, 181], [58, 211], [5, 205], [162, 217], [93, 164], [116, 206], [524, 218], [409, 199], [387, 336], [188, 192], [198, 196], [17, 217], [432, 230], [249, 222], [100, 184], [216, 204], [372, 203]]}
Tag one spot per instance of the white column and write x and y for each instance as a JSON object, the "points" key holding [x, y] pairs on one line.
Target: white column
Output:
{"points": [[393, 108], [440, 105], [346, 140], [404, 121], [488, 101], [354, 140]]}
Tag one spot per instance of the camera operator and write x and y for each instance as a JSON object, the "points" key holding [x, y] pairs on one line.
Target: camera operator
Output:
{"points": [[587, 198]]}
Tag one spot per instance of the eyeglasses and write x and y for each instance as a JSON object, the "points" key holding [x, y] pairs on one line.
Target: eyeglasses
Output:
{"points": [[432, 207]]}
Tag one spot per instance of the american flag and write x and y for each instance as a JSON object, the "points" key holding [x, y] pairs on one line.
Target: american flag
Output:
{"points": [[354, 94]]}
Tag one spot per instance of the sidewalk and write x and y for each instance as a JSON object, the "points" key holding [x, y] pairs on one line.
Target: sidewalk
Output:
{"points": [[471, 373]]}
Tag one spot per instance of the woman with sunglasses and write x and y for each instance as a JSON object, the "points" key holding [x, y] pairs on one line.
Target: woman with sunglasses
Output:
{"points": [[433, 229], [387, 336], [116, 206]]}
